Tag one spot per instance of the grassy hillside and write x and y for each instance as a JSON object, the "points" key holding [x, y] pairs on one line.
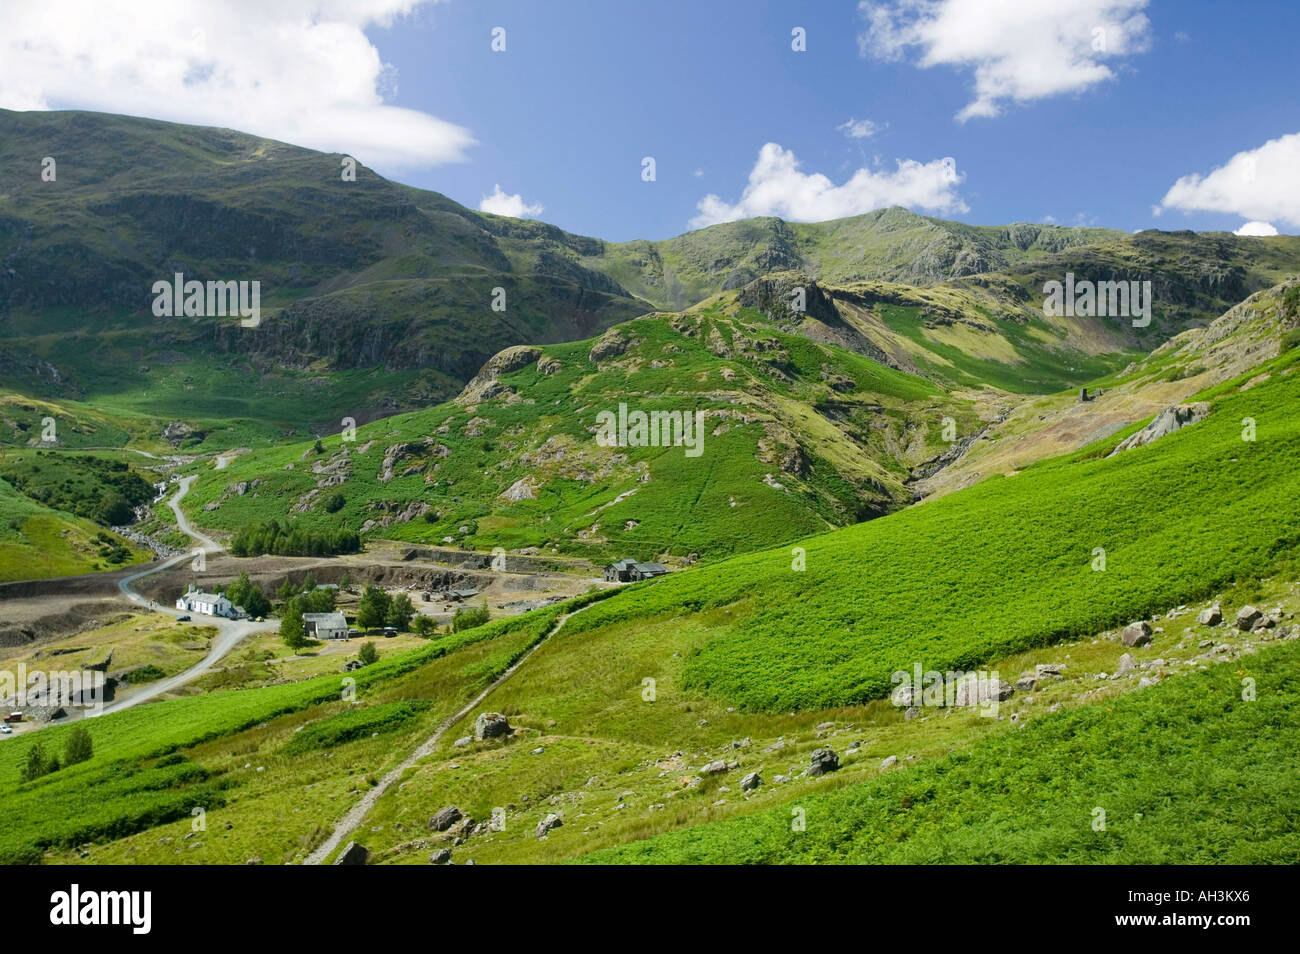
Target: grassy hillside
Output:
{"points": [[369, 275], [152, 764], [798, 437], [999, 567], [354, 276], [38, 542], [1032, 796]]}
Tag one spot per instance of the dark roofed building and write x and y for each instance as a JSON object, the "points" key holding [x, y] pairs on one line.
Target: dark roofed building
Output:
{"points": [[627, 571], [620, 571], [644, 571]]}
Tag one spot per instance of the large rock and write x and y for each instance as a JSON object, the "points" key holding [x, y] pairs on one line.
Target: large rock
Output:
{"points": [[1210, 617], [751, 782], [440, 857], [610, 345], [823, 761], [491, 725], [353, 853], [485, 385], [1164, 423], [717, 767], [546, 824], [1126, 664], [973, 691], [1247, 617], [1137, 634], [445, 818]]}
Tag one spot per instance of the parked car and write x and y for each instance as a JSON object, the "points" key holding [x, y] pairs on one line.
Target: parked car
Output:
{"points": [[14, 717], [5, 730], [182, 619]]}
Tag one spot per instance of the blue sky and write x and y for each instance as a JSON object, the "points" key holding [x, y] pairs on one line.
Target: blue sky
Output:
{"points": [[1038, 123]]}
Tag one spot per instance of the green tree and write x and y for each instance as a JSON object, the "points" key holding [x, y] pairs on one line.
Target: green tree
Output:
{"points": [[244, 592], [292, 630], [470, 616], [318, 447], [334, 503], [368, 654], [424, 626], [286, 590], [79, 747], [373, 608], [345, 581], [400, 611], [38, 763]]}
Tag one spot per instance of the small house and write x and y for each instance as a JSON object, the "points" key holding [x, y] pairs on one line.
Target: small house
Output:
{"points": [[628, 571], [620, 571], [325, 625], [209, 604], [646, 571]]}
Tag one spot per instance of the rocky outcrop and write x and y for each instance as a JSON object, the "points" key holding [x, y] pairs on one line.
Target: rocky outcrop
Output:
{"points": [[1166, 422], [491, 725], [1136, 634], [486, 384], [823, 761]]}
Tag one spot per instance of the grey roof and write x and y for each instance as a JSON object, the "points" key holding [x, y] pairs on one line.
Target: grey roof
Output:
{"points": [[624, 564], [331, 620], [651, 568], [204, 597]]}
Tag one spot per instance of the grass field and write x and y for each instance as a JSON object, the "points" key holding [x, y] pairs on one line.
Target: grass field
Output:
{"points": [[1003, 566], [1185, 772]]}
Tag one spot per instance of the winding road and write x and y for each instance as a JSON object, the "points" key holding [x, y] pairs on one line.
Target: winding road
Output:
{"points": [[229, 632]]}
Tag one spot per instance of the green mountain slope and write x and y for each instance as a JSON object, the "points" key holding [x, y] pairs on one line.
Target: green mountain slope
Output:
{"points": [[1032, 796], [371, 276], [354, 275], [797, 437], [999, 567]]}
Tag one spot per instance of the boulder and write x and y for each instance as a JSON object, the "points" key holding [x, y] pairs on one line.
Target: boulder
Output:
{"points": [[546, 824], [1210, 617], [823, 761], [353, 853], [888, 763], [751, 782], [1137, 634], [490, 725], [445, 818], [717, 767], [1027, 681], [1126, 664], [1247, 617], [440, 857]]}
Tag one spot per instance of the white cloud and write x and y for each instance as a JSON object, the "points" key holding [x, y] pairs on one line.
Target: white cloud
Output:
{"points": [[499, 203], [1261, 184], [777, 187], [1019, 50], [1256, 228], [296, 70], [859, 128]]}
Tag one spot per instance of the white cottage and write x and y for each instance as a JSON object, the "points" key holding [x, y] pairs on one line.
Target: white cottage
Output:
{"points": [[209, 604], [325, 625]]}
